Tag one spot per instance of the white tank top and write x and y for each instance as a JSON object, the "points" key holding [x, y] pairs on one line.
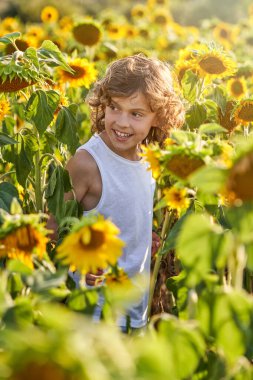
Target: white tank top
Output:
{"points": [[127, 199]]}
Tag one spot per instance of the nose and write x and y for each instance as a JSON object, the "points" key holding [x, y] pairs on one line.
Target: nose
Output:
{"points": [[123, 120]]}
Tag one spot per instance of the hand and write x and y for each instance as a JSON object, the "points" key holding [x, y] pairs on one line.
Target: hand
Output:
{"points": [[92, 279], [156, 242]]}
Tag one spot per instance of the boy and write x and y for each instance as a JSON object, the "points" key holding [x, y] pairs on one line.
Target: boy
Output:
{"points": [[132, 105]]}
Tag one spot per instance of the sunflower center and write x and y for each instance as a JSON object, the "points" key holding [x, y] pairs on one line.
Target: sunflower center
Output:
{"points": [[79, 72], [140, 13], [97, 239], [240, 180], [160, 19], [26, 239], [212, 65], [177, 197], [224, 33], [237, 87], [246, 112]]}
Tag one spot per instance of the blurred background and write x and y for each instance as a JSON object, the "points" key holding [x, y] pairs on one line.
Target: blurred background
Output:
{"points": [[185, 12]]}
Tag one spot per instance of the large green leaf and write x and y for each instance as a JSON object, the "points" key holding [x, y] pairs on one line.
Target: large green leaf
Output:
{"points": [[58, 184], [202, 246], [66, 127], [187, 345], [209, 179], [196, 115], [41, 107], [226, 319], [52, 55], [23, 162], [10, 37]]}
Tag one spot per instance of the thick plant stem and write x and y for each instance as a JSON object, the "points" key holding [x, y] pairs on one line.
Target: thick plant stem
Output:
{"points": [[37, 185], [166, 223]]}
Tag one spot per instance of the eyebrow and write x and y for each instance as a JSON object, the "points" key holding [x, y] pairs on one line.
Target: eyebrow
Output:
{"points": [[132, 109]]}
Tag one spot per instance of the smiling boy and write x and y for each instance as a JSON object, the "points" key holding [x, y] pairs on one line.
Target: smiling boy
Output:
{"points": [[133, 104]]}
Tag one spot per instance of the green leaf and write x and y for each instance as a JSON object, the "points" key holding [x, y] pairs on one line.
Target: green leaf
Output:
{"points": [[210, 128], [58, 184], [83, 300], [6, 140], [23, 162], [226, 318], [189, 86], [220, 98], [18, 267], [53, 55], [200, 245], [31, 54], [40, 109], [66, 127], [208, 179], [186, 342], [10, 38], [196, 115]]}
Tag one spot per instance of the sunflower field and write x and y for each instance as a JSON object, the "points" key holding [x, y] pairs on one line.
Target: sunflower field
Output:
{"points": [[201, 304]]}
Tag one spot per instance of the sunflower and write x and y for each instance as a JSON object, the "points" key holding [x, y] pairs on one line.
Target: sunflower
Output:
{"points": [[66, 23], [182, 165], [89, 247], [22, 45], [4, 108], [35, 32], [237, 87], [181, 67], [84, 73], [9, 24], [225, 34], [176, 198], [15, 84], [161, 17], [22, 242], [240, 180], [226, 118], [139, 11], [244, 112], [115, 31], [190, 52], [49, 14], [117, 279], [214, 64], [154, 3], [152, 157], [88, 33], [130, 31]]}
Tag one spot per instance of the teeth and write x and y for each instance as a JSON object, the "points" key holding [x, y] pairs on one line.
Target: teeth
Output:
{"points": [[120, 134]]}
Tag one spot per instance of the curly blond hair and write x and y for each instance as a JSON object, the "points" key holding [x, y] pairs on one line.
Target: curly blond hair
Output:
{"points": [[138, 73]]}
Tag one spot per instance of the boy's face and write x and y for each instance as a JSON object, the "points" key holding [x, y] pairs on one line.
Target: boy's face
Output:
{"points": [[127, 123]]}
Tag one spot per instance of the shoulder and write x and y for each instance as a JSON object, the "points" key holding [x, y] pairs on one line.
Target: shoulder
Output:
{"points": [[82, 169], [81, 162]]}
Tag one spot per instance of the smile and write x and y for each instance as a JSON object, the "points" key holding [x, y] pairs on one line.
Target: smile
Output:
{"points": [[121, 134]]}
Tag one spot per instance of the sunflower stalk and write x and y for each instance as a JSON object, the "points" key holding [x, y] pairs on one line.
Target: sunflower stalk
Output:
{"points": [[166, 225], [37, 179]]}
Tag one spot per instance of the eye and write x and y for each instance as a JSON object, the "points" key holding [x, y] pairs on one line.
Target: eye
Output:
{"points": [[113, 107], [137, 114]]}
